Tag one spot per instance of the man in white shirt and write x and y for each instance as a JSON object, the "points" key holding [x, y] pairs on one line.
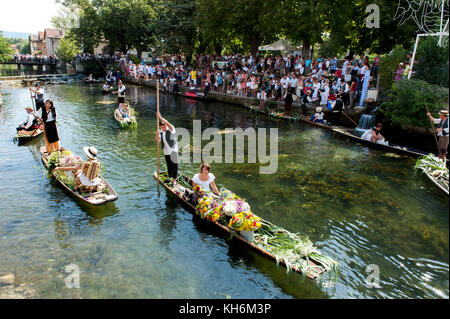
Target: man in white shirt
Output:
{"points": [[30, 123], [38, 96], [166, 134]]}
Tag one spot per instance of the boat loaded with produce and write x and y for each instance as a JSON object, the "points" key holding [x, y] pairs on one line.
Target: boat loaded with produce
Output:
{"points": [[61, 165], [125, 116], [232, 214], [436, 171]]}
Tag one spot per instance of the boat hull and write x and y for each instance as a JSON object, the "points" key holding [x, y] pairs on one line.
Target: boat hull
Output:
{"points": [[236, 235], [95, 199]]}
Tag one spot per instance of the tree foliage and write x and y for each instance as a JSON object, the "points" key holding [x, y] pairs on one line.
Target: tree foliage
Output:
{"points": [[408, 99], [6, 53], [67, 49], [389, 64], [175, 26], [431, 63]]}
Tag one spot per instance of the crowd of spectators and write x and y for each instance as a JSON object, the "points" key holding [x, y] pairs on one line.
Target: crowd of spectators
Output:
{"points": [[37, 58], [308, 80]]}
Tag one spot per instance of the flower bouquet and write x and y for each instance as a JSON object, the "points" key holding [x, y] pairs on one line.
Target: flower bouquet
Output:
{"points": [[245, 221], [209, 208], [232, 203], [64, 159], [198, 189]]}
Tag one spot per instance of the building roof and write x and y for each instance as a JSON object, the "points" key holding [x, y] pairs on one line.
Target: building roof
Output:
{"points": [[53, 33], [34, 38], [41, 35]]}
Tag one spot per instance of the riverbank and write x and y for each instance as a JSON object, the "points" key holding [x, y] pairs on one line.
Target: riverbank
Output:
{"points": [[244, 101]]}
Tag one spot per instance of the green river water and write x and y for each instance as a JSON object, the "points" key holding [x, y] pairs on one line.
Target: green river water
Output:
{"points": [[358, 205]]}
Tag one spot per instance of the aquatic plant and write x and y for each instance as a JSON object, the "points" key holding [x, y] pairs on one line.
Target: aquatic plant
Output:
{"points": [[294, 250], [433, 166]]}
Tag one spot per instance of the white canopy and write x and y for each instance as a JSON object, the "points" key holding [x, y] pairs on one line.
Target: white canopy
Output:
{"points": [[280, 45]]}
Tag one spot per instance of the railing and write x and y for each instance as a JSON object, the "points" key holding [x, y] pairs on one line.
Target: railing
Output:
{"points": [[32, 62]]}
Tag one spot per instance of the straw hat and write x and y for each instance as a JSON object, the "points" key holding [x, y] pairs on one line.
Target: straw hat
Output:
{"points": [[444, 112], [90, 152], [318, 109], [28, 108]]}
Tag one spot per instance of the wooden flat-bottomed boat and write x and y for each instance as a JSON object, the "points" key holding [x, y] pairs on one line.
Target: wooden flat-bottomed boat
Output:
{"points": [[98, 198], [24, 136], [317, 269], [383, 147], [194, 95], [122, 122], [93, 81], [435, 182]]}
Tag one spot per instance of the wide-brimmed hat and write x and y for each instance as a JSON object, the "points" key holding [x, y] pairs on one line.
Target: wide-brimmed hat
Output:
{"points": [[29, 108], [90, 152], [444, 112], [318, 109]]}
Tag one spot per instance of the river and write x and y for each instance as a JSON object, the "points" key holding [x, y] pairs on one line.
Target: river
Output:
{"points": [[359, 206]]}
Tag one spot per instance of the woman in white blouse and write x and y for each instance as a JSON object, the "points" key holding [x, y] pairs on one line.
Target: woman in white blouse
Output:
{"points": [[205, 179], [47, 115]]}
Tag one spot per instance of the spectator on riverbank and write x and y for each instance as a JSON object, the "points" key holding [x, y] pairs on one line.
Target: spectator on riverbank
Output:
{"points": [[242, 75]]}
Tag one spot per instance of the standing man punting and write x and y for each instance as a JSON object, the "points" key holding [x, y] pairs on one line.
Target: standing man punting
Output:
{"points": [[166, 134], [442, 132]]}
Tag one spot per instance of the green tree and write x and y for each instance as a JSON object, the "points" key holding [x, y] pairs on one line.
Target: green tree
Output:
{"points": [[177, 32], [407, 100], [389, 64], [128, 24], [431, 62], [26, 49], [346, 22], [67, 49], [250, 21], [302, 22], [80, 18], [5, 50]]}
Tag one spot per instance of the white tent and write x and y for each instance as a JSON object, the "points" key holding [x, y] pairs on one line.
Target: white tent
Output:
{"points": [[280, 45]]}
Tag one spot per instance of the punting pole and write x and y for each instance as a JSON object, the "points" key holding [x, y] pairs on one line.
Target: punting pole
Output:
{"points": [[34, 112], [157, 128], [434, 133], [350, 119]]}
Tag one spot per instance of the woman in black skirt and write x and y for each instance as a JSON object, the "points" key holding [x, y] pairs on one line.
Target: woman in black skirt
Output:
{"points": [[48, 115]]}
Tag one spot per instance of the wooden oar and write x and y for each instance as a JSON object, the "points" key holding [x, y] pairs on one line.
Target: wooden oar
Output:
{"points": [[434, 133], [157, 128]]}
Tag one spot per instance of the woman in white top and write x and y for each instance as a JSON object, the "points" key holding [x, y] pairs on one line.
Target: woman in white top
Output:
{"points": [[205, 179], [48, 115]]}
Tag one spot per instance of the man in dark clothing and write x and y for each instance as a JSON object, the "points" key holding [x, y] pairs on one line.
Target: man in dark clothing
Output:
{"points": [[337, 109], [288, 104], [166, 134]]}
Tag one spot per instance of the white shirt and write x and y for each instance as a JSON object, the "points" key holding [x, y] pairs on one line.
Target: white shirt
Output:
{"points": [[204, 184], [121, 90], [49, 114], [446, 129], [40, 91], [166, 148], [367, 135], [29, 120]]}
